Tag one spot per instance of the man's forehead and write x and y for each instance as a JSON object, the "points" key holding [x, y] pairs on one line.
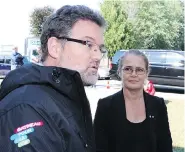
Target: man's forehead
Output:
{"points": [[87, 28]]}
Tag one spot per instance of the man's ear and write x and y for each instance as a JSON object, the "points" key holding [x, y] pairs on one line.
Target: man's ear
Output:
{"points": [[53, 46]]}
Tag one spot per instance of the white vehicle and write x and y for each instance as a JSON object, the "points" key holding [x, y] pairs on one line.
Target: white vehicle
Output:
{"points": [[103, 71]]}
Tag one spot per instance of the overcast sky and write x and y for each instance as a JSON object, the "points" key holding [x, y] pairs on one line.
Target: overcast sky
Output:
{"points": [[14, 15]]}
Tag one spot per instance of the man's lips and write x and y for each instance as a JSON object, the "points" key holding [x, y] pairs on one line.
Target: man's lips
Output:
{"points": [[94, 67]]}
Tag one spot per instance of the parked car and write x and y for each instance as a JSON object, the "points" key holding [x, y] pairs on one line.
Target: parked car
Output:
{"points": [[167, 67], [5, 64]]}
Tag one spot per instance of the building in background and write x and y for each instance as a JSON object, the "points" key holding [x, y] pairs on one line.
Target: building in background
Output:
{"points": [[6, 50], [31, 44]]}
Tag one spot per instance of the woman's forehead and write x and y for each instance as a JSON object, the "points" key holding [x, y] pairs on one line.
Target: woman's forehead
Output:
{"points": [[134, 60]]}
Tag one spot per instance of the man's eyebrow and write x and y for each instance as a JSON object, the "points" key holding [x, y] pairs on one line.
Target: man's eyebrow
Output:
{"points": [[89, 38], [101, 45]]}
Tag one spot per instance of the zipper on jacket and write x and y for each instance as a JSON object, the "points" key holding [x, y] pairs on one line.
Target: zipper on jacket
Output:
{"points": [[84, 143]]}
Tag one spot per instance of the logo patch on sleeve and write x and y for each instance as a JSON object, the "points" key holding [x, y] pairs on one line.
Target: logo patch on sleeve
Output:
{"points": [[30, 125], [21, 133], [23, 143]]}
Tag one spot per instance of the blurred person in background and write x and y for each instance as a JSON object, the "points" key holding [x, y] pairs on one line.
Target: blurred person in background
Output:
{"points": [[16, 59]]}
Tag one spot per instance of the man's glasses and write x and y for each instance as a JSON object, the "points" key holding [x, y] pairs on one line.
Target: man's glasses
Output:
{"points": [[89, 44], [130, 70]]}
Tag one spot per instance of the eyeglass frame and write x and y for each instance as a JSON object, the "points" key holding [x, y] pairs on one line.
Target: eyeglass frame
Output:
{"points": [[84, 42], [134, 69]]}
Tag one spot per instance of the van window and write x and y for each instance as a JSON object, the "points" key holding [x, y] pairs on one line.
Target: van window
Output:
{"points": [[156, 57], [117, 56], [174, 58]]}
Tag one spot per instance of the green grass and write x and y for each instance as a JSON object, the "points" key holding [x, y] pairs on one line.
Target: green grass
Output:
{"points": [[176, 120]]}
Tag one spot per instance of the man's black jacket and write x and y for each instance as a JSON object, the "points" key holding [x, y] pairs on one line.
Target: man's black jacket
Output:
{"points": [[44, 109]]}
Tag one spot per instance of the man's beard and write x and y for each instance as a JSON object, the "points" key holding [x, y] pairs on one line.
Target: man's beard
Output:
{"points": [[89, 78]]}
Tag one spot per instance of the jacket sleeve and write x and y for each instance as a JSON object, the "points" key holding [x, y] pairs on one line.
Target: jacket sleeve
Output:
{"points": [[164, 140], [100, 127], [25, 129]]}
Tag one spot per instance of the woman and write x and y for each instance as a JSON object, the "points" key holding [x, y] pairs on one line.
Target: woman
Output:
{"points": [[132, 120]]}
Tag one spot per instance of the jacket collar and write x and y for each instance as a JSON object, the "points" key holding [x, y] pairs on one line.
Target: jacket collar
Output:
{"points": [[148, 99], [62, 80]]}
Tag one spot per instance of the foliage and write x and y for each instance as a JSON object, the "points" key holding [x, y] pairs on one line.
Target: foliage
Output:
{"points": [[37, 18], [143, 24], [157, 25], [117, 35]]}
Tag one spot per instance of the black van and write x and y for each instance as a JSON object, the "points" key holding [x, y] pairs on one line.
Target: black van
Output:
{"points": [[167, 67]]}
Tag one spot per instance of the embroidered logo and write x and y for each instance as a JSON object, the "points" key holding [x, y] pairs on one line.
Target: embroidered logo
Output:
{"points": [[25, 132], [40, 123], [23, 143], [21, 133], [21, 138]]}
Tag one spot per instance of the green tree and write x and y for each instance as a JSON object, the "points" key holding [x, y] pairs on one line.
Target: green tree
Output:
{"points": [[143, 24], [157, 24], [37, 18], [179, 40], [119, 30]]}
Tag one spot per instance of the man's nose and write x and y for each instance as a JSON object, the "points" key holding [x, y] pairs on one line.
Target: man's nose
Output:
{"points": [[96, 54]]}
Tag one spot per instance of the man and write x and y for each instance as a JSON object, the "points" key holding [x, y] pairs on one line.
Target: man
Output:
{"points": [[45, 108], [17, 59]]}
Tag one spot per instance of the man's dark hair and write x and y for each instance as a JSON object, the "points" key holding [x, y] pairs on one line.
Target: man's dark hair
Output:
{"points": [[61, 22]]}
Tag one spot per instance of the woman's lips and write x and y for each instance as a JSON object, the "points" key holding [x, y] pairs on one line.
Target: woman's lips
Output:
{"points": [[133, 81]]}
